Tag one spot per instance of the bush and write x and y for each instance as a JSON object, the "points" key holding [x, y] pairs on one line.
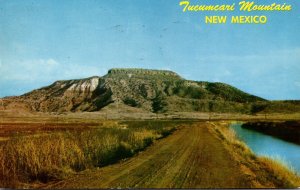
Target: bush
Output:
{"points": [[130, 102], [258, 107], [159, 104]]}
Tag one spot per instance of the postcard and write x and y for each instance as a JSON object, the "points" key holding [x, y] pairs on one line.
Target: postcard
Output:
{"points": [[149, 94]]}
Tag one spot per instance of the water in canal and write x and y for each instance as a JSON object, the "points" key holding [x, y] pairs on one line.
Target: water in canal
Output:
{"points": [[266, 145]]}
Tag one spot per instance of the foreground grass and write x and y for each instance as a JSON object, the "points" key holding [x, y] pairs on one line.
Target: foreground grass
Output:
{"points": [[263, 171], [48, 157]]}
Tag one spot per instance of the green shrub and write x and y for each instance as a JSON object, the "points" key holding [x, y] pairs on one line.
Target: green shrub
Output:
{"points": [[159, 104], [130, 102]]}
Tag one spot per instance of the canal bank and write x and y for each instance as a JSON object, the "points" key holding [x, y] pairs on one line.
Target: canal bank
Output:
{"points": [[263, 171], [267, 145]]}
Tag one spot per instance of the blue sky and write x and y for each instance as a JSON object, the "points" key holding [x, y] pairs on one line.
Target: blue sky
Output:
{"points": [[47, 40]]}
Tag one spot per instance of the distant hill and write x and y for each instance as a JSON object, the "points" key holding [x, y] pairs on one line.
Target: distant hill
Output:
{"points": [[151, 90]]}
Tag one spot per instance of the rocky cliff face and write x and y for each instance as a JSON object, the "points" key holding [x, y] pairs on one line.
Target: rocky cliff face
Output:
{"points": [[73, 95], [152, 90]]}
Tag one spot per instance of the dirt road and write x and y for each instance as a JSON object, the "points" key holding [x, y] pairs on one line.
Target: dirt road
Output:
{"points": [[189, 158]]}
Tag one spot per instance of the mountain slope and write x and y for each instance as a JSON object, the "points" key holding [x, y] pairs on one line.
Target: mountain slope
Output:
{"points": [[151, 90]]}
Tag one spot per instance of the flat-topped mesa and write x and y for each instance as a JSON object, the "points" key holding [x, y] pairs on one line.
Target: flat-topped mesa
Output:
{"points": [[149, 72], [150, 90]]}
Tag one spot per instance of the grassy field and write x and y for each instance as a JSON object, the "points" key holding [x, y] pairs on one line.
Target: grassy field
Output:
{"points": [[48, 154]]}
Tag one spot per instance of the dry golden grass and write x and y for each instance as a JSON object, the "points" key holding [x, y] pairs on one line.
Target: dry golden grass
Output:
{"points": [[229, 135], [281, 171], [46, 158], [54, 156]]}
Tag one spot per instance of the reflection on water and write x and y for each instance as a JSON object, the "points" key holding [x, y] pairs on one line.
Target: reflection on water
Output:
{"points": [[266, 145]]}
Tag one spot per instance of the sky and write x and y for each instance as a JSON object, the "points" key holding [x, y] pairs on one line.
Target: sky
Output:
{"points": [[42, 41]]}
